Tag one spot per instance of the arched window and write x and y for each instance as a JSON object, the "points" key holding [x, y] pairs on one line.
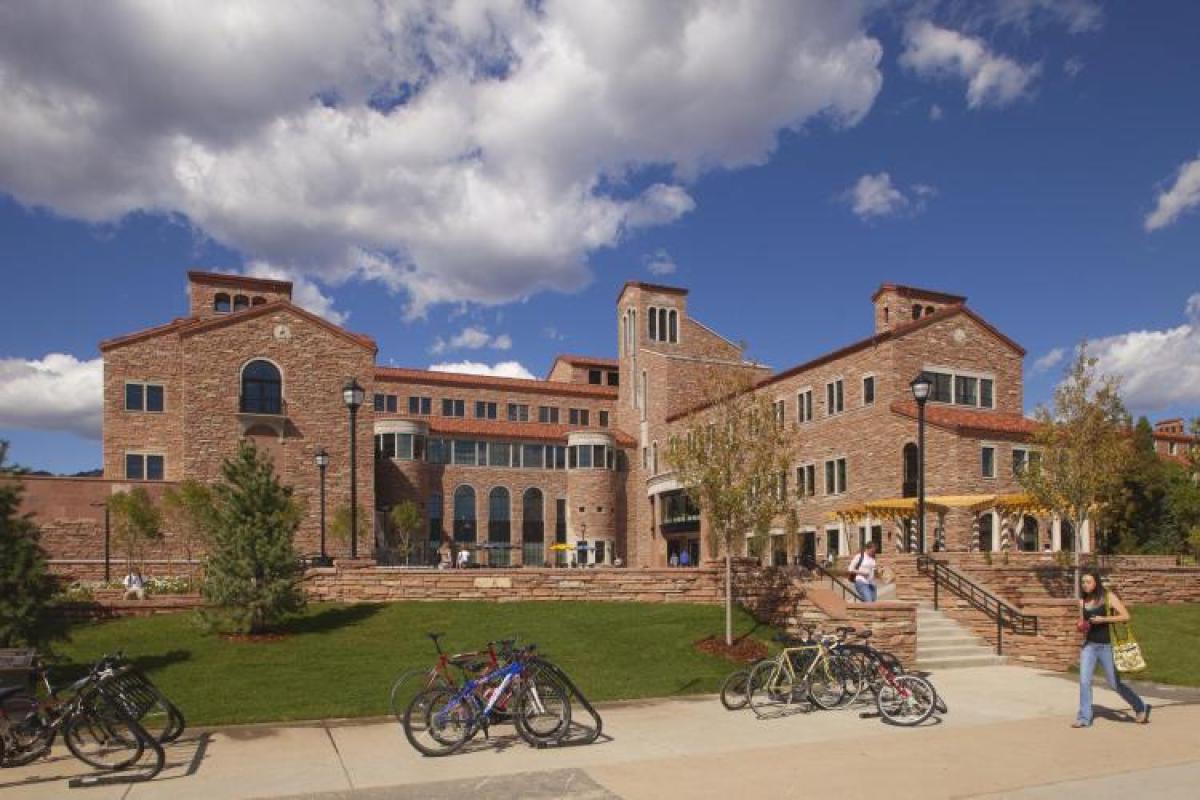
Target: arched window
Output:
{"points": [[673, 326], [533, 528], [499, 526], [1029, 534], [928, 310], [662, 325], [262, 388], [221, 303], [909, 488], [258, 300], [241, 302], [652, 323], [464, 514]]}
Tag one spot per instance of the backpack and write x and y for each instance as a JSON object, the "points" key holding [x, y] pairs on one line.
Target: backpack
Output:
{"points": [[852, 575]]}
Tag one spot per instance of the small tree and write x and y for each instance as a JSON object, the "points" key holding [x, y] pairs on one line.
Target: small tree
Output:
{"points": [[405, 520], [188, 513], [25, 583], [732, 457], [339, 526], [250, 577], [135, 522], [1083, 447]]}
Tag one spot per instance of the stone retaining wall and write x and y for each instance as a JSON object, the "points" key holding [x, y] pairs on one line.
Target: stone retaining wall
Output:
{"points": [[102, 607]]}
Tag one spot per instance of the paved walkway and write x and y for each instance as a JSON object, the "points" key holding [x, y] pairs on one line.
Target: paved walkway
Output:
{"points": [[1006, 735]]}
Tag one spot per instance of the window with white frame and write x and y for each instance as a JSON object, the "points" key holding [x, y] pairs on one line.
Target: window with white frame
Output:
{"points": [[962, 388], [485, 410], [144, 466], [806, 480], [868, 390], [518, 412], [804, 406], [603, 419], [148, 397], [835, 397], [548, 414], [454, 408], [835, 476], [579, 416], [662, 324], [987, 461], [780, 412], [420, 405]]}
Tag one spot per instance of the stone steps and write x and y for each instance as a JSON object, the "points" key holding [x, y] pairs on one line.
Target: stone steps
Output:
{"points": [[943, 643]]}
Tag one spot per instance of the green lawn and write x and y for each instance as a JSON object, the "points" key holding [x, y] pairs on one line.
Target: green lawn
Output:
{"points": [[339, 660], [1170, 639]]}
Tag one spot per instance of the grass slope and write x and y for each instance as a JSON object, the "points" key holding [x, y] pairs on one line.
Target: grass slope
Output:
{"points": [[1170, 639], [340, 660]]}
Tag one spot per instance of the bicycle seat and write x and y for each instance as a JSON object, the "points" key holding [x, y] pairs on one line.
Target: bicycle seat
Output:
{"points": [[9, 691], [867, 634]]}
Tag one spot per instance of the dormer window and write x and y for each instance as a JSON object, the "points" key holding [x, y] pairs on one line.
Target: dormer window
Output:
{"points": [[241, 302], [221, 303]]}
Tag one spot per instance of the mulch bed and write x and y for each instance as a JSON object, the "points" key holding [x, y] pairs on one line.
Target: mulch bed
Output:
{"points": [[745, 650], [254, 638]]}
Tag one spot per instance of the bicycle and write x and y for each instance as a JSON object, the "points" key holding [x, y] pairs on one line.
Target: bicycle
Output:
{"points": [[412, 681], [801, 670], [879, 669], [449, 717]]}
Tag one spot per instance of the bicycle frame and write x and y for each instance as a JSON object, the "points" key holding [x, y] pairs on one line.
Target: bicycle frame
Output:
{"points": [[505, 674]]}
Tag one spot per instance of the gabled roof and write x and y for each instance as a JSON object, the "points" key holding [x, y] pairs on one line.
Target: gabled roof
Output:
{"points": [[192, 325], [492, 382], [518, 431], [965, 420]]}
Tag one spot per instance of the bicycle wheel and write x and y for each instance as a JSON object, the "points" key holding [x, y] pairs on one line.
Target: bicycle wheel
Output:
{"points": [[29, 736], [102, 737], [542, 710], [734, 690], [906, 700], [770, 689], [847, 667], [406, 687], [438, 723], [826, 685]]}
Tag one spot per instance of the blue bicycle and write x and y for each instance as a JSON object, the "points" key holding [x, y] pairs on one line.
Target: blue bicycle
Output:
{"points": [[441, 719]]}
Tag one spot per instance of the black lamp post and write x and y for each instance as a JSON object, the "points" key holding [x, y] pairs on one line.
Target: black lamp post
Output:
{"points": [[107, 542], [353, 396], [921, 386], [322, 460]]}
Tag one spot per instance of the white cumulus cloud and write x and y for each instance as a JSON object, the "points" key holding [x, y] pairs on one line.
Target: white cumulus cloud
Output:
{"points": [[1158, 368], [1049, 361], [1182, 196], [471, 338], [305, 292], [474, 151], [55, 393], [503, 369], [992, 79], [874, 196], [660, 263]]}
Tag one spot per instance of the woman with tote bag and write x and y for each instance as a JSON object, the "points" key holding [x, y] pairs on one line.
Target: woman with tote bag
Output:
{"points": [[1101, 611]]}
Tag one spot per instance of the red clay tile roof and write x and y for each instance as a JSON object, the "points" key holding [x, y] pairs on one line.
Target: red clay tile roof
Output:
{"points": [[923, 294], [965, 420], [261, 284], [595, 361], [190, 325], [651, 287], [1185, 438], [493, 382], [520, 431]]}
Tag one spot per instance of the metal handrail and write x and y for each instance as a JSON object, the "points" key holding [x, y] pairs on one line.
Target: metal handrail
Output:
{"points": [[979, 598], [848, 591]]}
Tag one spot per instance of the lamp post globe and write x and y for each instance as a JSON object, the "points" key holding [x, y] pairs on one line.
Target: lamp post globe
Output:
{"points": [[921, 387], [353, 396]]}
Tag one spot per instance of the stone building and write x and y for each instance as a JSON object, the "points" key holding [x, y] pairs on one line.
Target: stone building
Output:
{"points": [[507, 468]]}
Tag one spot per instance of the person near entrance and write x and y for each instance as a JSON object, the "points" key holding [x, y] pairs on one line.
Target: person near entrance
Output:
{"points": [[1099, 610], [862, 570]]}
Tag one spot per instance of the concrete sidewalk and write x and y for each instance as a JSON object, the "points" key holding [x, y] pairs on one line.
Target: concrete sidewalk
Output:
{"points": [[1006, 735]]}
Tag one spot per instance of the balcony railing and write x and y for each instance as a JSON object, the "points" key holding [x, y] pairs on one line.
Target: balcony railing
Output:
{"points": [[265, 406]]}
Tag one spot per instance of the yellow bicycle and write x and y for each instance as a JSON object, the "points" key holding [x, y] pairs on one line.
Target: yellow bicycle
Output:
{"points": [[802, 670]]}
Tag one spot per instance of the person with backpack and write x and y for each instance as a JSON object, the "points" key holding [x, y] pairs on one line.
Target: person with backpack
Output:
{"points": [[862, 572]]}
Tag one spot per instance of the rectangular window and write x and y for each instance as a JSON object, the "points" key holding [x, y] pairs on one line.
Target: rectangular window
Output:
{"points": [[404, 446], [144, 397], [614, 378], [438, 453], [835, 476], [531, 456], [548, 414], [804, 406], [841, 475], [595, 377], [134, 398], [154, 398], [154, 468], [454, 408], [833, 542], [985, 393], [780, 412], [835, 397], [987, 456], [940, 391], [518, 412], [142, 467], [584, 457], [560, 457], [781, 486], [485, 410], [378, 402], [966, 391], [800, 485], [464, 452], [869, 390], [579, 416], [810, 477], [603, 419], [1018, 461], [391, 403], [500, 454], [830, 478], [420, 405]]}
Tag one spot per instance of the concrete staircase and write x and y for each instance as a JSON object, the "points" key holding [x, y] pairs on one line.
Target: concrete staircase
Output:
{"points": [[943, 643]]}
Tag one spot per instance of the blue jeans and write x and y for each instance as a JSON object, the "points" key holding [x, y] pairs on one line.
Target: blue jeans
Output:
{"points": [[1092, 653], [866, 591]]}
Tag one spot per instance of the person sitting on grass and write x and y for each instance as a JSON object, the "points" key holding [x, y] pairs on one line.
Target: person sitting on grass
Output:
{"points": [[135, 585], [1102, 609]]}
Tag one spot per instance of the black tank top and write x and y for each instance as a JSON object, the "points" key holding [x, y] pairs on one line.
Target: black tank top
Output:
{"points": [[1098, 633]]}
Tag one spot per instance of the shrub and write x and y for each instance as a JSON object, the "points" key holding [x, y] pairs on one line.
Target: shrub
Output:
{"points": [[26, 587]]}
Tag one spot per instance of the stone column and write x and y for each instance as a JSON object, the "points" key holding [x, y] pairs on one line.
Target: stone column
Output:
{"points": [[1005, 531], [974, 548]]}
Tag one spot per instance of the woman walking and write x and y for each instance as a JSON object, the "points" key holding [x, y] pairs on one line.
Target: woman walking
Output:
{"points": [[1101, 609]]}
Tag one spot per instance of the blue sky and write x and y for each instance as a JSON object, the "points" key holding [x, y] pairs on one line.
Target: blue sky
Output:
{"points": [[1035, 160]]}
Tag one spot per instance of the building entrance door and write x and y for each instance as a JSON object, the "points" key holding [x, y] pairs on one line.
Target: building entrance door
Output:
{"points": [[808, 547]]}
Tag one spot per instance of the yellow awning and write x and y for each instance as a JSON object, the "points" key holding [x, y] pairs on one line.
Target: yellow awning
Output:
{"points": [[938, 504]]}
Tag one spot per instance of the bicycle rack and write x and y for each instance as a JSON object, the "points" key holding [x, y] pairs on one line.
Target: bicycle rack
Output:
{"points": [[576, 734], [116, 692], [139, 694]]}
